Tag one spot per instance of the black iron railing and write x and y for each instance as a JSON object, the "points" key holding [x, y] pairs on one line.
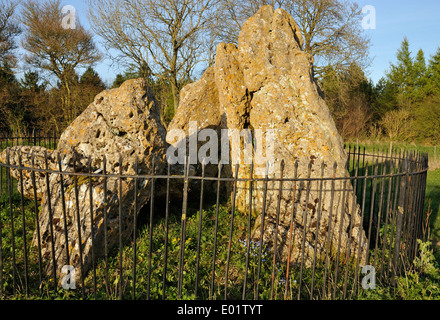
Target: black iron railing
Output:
{"points": [[196, 245]]}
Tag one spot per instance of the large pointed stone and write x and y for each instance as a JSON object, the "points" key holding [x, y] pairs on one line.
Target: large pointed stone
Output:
{"points": [[265, 84]]}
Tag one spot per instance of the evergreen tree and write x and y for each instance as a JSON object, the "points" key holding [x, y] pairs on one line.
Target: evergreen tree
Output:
{"points": [[386, 97], [120, 79], [426, 125], [419, 77], [433, 75], [7, 76], [91, 77], [31, 82], [401, 75]]}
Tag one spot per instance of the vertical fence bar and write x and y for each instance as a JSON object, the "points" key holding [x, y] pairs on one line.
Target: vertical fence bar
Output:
{"points": [[54, 264], [78, 225], [37, 219], [330, 230], [11, 212], [249, 230], [387, 217], [150, 234], [199, 234], [263, 217], [275, 236], [341, 219], [360, 244], [418, 215], [165, 259], [400, 215], [349, 158], [421, 206], [92, 227], [350, 230], [319, 203], [183, 228], [423, 191], [363, 160], [135, 210], [121, 273], [231, 228], [379, 215], [63, 201], [372, 201], [305, 216], [214, 250], [292, 219], [393, 220], [411, 212], [408, 207], [105, 217], [405, 206], [23, 227], [415, 215], [359, 191]]}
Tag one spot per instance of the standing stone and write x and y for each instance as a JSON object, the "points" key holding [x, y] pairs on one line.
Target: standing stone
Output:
{"points": [[122, 126], [265, 85], [278, 75]]}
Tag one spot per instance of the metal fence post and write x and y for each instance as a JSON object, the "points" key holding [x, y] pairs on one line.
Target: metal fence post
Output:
{"points": [[400, 215]]}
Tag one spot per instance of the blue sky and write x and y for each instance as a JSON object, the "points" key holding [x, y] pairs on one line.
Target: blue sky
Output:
{"points": [[418, 20]]}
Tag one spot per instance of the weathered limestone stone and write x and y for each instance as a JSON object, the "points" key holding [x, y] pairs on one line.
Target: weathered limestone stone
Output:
{"points": [[279, 77], [39, 157], [266, 84], [198, 110], [121, 125], [120, 122], [198, 103]]}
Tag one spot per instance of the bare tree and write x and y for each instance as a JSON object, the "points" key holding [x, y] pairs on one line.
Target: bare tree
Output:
{"points": [[56, 49], [8, 31], [395, 123], [164, 35], [332, 29]]}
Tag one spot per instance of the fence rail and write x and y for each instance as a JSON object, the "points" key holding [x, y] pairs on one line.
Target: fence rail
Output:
{"points": [[197, 245]]}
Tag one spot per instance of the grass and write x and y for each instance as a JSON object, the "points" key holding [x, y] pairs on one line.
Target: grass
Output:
{"points": [[198, 255], [150, 267]]}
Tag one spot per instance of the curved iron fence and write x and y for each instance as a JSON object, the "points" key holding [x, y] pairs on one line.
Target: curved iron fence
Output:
{"points": [[196, 245]]}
